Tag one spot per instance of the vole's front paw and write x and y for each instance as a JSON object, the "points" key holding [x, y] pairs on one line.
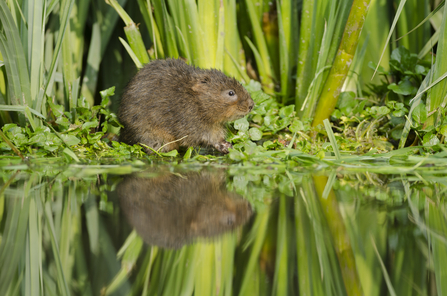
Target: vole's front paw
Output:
{"points": [[223, 147]]}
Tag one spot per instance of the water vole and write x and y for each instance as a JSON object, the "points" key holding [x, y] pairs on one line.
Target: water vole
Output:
{"points": [[168, 100]]}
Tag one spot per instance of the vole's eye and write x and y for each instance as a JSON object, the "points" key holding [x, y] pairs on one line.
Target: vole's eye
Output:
{"points": [[231, 93]]}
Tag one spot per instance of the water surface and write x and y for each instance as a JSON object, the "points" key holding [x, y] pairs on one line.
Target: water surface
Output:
{"points": [[220, 230]]}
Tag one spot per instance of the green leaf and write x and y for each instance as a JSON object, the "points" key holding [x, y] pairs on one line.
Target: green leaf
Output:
{"points": [[419, 113], [443, 130], [297, 125], [58, 110], [402, 60], [63, 121], [403, 88], [70, 140], [241, 124], [105, 94], [430, 139], [172, 153], [90, 124], [188, 153], [287, 111], [71, 154], [255, 134]]}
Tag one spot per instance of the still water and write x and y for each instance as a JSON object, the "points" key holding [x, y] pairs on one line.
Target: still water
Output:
{"points": [[201, 230]]}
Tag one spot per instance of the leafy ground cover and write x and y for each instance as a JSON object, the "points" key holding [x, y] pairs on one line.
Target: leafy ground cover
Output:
{"points": [[370, 126]]}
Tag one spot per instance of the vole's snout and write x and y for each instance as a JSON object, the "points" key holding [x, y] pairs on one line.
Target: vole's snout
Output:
{"points": [[251, 104]]}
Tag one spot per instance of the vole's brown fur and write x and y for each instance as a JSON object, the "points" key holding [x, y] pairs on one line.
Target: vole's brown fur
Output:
{"points": [[168, 100]]}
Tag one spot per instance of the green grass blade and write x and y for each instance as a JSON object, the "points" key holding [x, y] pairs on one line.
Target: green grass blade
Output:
{"points": [[21, 109], [102, 28], [311, 35], [437, 97], [262, 50], [332, 139], [133, 56], [234, 58], [14, 57], [342, 62], [169, 33], [66, 7], [185, 46], [241, 72], [393, 26], [288, 44], [36, 30], [191, 27]]}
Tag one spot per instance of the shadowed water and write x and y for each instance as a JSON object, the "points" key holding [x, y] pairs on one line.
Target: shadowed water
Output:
{"points": [[199, 230]]}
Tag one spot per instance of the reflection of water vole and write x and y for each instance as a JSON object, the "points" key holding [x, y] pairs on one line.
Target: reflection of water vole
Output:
{"points": [[170, 211], [169, 100]]}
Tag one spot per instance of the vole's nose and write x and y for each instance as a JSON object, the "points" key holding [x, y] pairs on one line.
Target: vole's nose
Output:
{"points": [[251, 104]]}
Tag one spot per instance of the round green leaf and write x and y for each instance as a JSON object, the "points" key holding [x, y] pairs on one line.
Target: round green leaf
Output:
{"points": [[255, 134]]}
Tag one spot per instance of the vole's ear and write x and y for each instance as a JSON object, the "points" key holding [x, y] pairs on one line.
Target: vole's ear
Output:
{"points": [[201, 83]]}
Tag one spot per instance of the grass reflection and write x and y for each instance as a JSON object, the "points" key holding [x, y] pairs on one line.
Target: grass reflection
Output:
{"points": [[64, 232]]}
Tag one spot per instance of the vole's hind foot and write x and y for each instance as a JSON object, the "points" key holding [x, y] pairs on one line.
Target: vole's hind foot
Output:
{"points": [[223, 147]]}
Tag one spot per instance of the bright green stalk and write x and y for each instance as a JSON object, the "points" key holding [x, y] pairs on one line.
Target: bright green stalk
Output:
{"points": [[220, 37], [152, 27], [132, 33], [14, 58], [343, 60], [376, 28], [209, 22], [68, 67], [233, 45], [165, 24], [266, 73], [195, 34], [414, 12], [337, 16], [437, 97], [288, 44], [310, 39], [36, 31], [170, 33]]}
